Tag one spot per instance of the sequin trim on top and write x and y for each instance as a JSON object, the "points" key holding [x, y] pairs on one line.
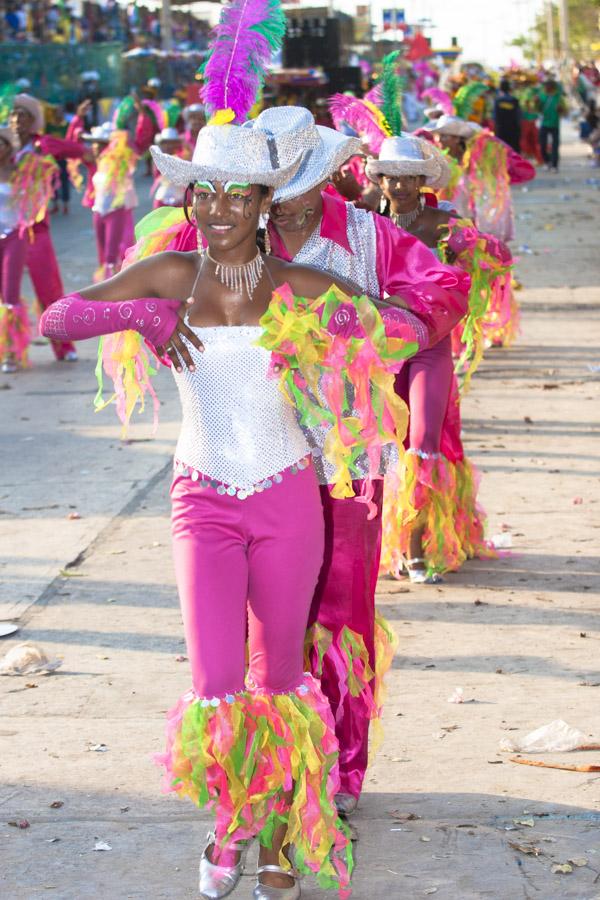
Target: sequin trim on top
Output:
{"points": [[242, 493]]}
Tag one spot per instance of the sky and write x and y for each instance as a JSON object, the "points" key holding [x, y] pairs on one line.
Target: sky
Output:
{"points": [[483, 27]]}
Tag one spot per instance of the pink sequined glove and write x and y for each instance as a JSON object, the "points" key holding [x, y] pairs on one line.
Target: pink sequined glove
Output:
{"points": [[76, 319]]}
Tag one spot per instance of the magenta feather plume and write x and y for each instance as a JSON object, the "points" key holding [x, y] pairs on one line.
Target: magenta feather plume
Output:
{"points": [[248, 34], [440, 98], [362, 116], [374, 95]]}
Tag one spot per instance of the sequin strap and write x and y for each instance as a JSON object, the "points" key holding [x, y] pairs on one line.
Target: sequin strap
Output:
{"points": [[245, 491]]}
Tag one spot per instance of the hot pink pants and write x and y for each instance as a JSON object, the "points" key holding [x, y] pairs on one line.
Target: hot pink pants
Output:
{"points": [[424, 384], [114, 234], [45, 276], [246, 568], [13, 251], [345, 596]]}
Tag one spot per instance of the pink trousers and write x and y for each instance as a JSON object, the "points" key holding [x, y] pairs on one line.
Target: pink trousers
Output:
{"points": [[13, 252], [424, 383], [114, 234], [246, 568], [45, 276], [345, 596]]}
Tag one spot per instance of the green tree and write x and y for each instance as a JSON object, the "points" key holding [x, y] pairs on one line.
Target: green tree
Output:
{"points": [[584, 31]]}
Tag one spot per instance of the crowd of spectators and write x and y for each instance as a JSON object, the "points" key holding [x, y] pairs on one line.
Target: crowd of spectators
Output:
{"points": [[45, 22]]}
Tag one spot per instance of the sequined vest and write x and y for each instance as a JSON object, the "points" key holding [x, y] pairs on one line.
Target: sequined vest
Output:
{"points": [[360, 266]]}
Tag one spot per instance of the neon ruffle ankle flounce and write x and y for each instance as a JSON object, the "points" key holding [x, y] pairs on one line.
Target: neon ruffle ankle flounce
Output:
{"points": [[442, 496], [327, 351], [501, 323], [15, 333], [470, 518], [361, 687], [238, 754]]}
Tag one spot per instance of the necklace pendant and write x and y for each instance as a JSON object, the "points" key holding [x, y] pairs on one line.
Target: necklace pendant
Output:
{"points": [[243, 277]]}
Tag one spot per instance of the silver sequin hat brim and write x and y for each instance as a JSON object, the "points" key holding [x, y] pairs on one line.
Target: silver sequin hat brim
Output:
{"points": [[319, 163], [410, 155], [228, 153]]}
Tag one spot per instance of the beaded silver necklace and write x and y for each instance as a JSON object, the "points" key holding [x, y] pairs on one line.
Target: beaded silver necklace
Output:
{"points": [[246, 276], [403, 220]]}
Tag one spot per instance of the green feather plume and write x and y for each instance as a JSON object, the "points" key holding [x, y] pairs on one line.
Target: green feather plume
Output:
{"points": [[391, 92], [466, 96]]}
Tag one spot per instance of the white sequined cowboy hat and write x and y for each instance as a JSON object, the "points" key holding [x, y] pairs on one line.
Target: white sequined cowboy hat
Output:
{"points": [[33, 107], [410, 155], [325, 149], [100, 134], [168, 134], [453, 125], [245, 153]]}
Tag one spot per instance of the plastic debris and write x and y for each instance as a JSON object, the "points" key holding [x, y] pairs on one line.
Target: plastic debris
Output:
{"points": [[556, 737], [7, 628], [458, 696], [502, 541], [529, 849], [98, 748], [577, 501], [102, 845], [19, 823], [561, 869], [27, 659], [529, 822], [579, 862]]}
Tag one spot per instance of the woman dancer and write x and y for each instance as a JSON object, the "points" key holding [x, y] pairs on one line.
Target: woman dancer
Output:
{"points": [[482, 170], [165, 192], [25, 192], [111, 195], [258, 745], [431, 522]]}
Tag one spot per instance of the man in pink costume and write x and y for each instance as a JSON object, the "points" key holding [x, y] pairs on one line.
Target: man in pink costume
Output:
{"points": [[27, 124], [381, 260], [313, 228]]}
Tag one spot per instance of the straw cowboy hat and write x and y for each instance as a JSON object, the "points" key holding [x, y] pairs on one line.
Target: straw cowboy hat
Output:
{"points": [[410, 155], [247, 153], [33, 107], [453, 125], [324, 150]]}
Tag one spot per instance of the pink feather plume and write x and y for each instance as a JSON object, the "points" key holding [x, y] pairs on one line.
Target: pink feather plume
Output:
{"points": [[368, 123], [440, 98], [248, 34]]}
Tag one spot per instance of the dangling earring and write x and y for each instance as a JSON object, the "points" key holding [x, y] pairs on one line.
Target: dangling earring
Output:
{"points": [[199, 244], [263, 222]]}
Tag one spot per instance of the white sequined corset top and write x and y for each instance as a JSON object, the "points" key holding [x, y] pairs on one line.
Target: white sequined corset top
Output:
{"points": [[237, 427]]}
